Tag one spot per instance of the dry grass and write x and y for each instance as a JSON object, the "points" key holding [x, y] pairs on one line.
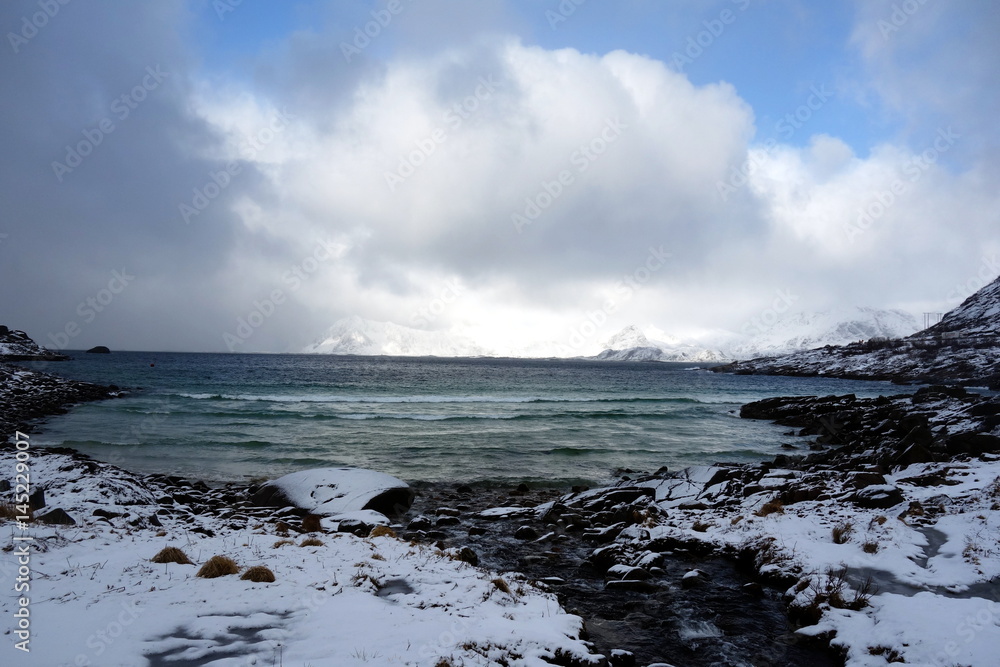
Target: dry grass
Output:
{"points": [[218, 566], [841, 533], [9, 511], [870, 547], [700, 526], [771, 507], [311, 524], [281, 543], [382, 531], [311, 542], [258, 574], [171, 555], [501, 585]]}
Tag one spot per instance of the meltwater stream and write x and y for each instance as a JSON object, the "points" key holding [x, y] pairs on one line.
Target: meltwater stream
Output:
{"points": [[232, 417]]}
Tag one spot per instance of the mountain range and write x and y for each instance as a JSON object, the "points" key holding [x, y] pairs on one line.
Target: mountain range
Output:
{"points": [[792, 332], [962, 348]]}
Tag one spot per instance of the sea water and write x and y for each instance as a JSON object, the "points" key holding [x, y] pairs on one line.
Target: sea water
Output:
{"points": [[237, 417]]}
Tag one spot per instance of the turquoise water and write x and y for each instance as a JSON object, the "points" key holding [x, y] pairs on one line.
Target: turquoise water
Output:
{"points": [[222, 417]]}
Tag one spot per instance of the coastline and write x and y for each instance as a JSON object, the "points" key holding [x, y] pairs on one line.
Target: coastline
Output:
{"points": [[694, 539]]}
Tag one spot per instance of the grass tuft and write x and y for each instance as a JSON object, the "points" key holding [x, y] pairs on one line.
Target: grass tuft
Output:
{"points": [[771, 507], [218, 566], [311, 542], [171, 555], [382, 531], [841, 533], [311, 524], [258, 574]]}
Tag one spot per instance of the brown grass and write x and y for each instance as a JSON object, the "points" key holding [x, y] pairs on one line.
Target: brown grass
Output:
{"points": [[501, 585], [258, 574], [841, 533], [281, 543], [700, 526], [311, 524], [771, 507], [9, 511], [311, 542], [382, 531], [870, 547], [218, 566], [171, 555]]}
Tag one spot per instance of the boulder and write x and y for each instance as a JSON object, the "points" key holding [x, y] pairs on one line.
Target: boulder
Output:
{"points": [[100, 349], [330, 491], [878, 496]]}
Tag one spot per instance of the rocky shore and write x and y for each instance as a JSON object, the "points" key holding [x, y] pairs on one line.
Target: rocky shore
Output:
{"points": [[26, 397], [834, 551]]}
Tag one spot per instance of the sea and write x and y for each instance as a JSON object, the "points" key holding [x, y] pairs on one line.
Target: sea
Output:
{"points": [[546, 423]]}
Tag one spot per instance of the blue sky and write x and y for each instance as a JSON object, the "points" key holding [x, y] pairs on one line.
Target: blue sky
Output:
{"points": [[585, 148]]}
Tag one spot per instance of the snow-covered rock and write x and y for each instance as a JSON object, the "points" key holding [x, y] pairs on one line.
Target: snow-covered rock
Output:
{"points": [[336, 491], [632, 344], [16, 345]]}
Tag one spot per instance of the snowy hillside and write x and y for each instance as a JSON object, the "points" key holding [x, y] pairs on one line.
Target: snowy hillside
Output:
{"points": [[355, 335], [17, 346], [962, 348], [806, 331]]}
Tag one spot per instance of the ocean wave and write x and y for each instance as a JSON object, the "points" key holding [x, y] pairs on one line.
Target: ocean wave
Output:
{"points": [[334, 398]]}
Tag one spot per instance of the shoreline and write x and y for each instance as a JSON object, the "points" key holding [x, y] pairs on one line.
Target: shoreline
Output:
{"points": [[606, 553]]}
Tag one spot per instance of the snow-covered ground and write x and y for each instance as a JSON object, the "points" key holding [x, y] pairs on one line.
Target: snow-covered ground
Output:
{"points": [[97, 599]]}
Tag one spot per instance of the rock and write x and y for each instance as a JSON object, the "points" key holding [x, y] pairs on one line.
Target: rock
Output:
{"points": [[446, 521], [526, 533], [973, 443], [621, 658], [420, 523], [56, 517], [36, 500], [467, 555], [354, 527], [100, 349], [880, 496], [693, 578], [915, 453], [636, 585], [330, 491], [862, 479], [447, 511], [626, 572], [476, 531]]}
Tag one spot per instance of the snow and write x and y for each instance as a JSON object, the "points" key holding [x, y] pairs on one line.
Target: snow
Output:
{"points": [[355, 335], [330, 491], [96, 599], [936, 559]]}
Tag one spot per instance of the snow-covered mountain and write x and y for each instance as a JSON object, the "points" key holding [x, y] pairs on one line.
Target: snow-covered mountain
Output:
{"points": [[806, 331], [631, 344], [355, 335], [962, 348]]}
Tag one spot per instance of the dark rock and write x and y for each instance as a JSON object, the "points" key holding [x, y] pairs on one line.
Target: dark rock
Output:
{"points": [[107, 514], [862, 479], [354, 527], [36, 500], [467, 555], [631, 585], [203, 531], [56, 517], [100, 349], [621, 658], [526, 533], [877, 497], [915, 453], [693, 578], [447, 521], [475, 531], [419, 523]]}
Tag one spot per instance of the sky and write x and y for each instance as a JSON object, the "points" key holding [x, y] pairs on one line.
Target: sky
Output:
{"points": [[213, 175]]}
